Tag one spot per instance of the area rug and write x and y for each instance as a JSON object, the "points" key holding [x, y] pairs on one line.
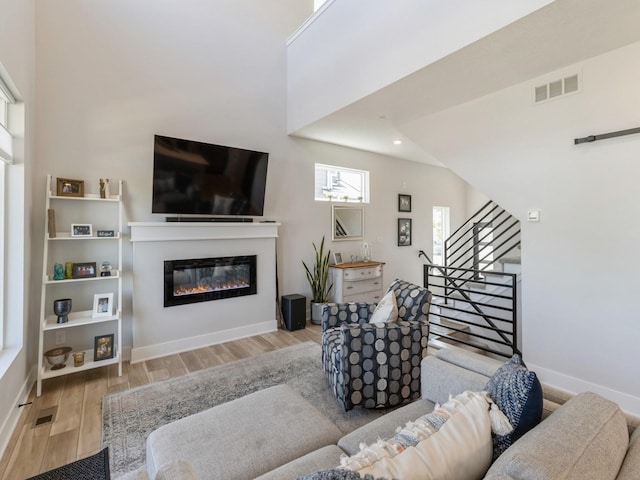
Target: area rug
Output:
{"points": [[95, 467], [130, 416]]}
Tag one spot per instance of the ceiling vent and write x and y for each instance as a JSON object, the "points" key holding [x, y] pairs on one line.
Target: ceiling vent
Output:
{"points": [[556, 89]]}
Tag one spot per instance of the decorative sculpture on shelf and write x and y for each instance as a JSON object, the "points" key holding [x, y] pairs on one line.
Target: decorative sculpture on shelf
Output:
{"points": [[58, 271], [104, 188]]}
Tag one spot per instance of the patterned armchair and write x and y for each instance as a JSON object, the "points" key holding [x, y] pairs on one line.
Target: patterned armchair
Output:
{"points": [[376, 364]]}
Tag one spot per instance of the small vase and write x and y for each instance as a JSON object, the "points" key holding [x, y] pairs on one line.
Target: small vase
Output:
{"points": [[61, 308]]}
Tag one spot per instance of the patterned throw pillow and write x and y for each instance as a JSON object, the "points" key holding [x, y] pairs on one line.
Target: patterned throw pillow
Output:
{"points": [[337, 474], [518, 393]]}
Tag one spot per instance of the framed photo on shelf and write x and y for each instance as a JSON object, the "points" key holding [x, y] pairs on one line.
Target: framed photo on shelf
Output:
{"points": [[404, 232], [81, 230], [404, 203], [103, 347], [84, 270], [102, 305], [337, 258], [66, 187], [106, 233]]}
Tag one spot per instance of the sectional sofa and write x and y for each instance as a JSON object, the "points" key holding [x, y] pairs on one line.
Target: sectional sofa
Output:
{"points": [[275, 434]]}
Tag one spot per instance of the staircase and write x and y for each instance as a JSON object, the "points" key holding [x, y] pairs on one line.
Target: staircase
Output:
{"points": [[475, 294]]}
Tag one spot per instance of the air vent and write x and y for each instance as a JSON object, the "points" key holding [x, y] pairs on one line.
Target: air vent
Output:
{"points": [[556, 89]]}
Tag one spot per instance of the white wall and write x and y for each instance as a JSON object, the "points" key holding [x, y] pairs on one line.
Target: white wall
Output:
{"points": [[372, 44], [17, 51], [112, 74], [581, 327]]}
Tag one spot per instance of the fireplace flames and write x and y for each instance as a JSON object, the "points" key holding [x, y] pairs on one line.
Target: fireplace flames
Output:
{"points": [[195, 289]]}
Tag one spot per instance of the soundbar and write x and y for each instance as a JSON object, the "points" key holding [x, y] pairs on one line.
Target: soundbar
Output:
{"points": [[210, 219]]}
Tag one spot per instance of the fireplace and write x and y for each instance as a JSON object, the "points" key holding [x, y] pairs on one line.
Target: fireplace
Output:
{"points": [[205, 279]]}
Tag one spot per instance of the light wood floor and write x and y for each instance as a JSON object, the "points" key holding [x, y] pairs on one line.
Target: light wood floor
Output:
{"points": [[76, 401]]}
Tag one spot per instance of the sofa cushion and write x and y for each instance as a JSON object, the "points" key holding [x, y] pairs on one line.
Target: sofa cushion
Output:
{"points": [[631, 464], [585, 438], [453, 442], [254, 434], [386, 311], [518, 393]]}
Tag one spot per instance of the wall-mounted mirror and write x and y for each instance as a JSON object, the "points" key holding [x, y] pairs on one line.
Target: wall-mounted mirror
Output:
{"points": [[347, 223]]}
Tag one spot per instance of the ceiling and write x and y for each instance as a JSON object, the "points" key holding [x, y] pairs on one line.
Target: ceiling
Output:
{"points": [[563, 33]]}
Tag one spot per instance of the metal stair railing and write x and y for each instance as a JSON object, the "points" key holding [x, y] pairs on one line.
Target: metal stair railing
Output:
{"points": [[464, 289]]}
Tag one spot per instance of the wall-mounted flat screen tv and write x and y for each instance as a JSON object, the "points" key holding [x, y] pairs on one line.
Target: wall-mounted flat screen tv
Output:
{"points": [[192, 177]]}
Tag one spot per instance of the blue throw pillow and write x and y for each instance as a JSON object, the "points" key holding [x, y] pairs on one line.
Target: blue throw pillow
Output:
{"points": [[518, 393]]}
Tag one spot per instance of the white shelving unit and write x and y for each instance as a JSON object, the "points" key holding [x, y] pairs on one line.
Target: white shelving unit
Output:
{"points": [[103, 214]]}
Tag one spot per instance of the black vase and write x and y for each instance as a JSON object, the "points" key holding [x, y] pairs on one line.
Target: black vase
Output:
{"points": [[61, 308]]}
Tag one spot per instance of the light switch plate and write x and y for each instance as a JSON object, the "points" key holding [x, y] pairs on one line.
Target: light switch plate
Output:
{"points": [[533, 215]]}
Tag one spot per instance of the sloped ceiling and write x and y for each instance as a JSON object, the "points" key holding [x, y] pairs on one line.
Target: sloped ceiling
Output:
{"points": [[563, 33]]}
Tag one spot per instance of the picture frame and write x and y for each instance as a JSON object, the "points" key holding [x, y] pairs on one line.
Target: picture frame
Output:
{"points": [[102, 305], [67, 187], [106, 233], [404, 232], [103, 347], [404, 203], [84, 270], [337, 258], [81, 230]]}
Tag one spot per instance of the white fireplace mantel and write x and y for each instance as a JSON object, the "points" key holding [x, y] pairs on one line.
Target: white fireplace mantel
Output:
{"points": [[160, 331], [177, 231]]}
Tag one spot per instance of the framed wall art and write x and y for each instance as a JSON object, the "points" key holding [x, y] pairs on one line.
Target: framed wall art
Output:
{"points": [[81, 230], [404, 203], [103, 347], [66, 187], [404, 232], [102, 305], [84, 270]]}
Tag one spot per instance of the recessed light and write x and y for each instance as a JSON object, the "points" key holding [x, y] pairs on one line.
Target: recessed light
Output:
{"points": [[397, 142]]}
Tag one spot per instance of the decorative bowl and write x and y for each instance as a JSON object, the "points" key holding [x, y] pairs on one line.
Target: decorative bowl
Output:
{"points": [[57, 357]]}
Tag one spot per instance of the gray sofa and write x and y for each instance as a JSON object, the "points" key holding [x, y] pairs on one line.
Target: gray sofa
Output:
{"points": [[275, 434]]}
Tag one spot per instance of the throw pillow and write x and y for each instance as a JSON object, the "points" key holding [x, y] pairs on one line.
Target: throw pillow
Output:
{"points": [[451, 443], [518, 393], [386, 311]]}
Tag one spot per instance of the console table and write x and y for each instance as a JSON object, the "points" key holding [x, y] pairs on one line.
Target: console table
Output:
{"points": [[356, 282]]}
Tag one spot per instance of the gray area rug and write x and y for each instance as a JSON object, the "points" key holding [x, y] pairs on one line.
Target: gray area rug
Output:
{"points": [[130, 416]]}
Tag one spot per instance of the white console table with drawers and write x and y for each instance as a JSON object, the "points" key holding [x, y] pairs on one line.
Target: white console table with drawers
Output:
{"points": [[356, 282]]}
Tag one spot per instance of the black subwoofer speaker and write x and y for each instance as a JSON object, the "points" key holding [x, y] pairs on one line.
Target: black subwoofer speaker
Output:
{"points": [[293, 311]]}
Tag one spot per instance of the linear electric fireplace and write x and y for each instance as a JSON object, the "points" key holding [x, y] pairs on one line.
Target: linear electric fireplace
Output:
{"points": [[205, 279]]}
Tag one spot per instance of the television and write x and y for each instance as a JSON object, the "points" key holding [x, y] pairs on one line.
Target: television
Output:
{"points": [[196, 178]]}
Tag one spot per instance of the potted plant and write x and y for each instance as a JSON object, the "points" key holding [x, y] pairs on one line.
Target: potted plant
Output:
{"points": [[317, 277]]}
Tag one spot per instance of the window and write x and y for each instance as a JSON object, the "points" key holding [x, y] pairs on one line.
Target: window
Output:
{"points": [[6, 156], [339, 184], [440, 233]]}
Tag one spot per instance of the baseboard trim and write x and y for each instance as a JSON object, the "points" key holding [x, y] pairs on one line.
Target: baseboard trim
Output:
{"points": [[11, 421], [628, 403], [149, 352]]}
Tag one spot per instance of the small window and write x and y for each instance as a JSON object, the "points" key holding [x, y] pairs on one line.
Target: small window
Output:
{"points": [[339, 184], [440, 233]]}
